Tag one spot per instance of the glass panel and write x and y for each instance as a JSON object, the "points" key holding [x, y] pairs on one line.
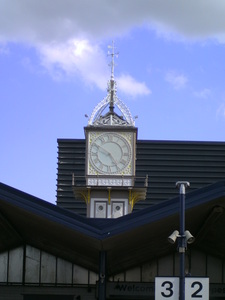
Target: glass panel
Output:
{"points": [[165, 266], [149, 271], [80, 275], [198, 263], [32, 267], [48, 268], [64, 271], [133, 275], [119, 277], [214, 269], [3, 264], [93, 277], [16, 265]]}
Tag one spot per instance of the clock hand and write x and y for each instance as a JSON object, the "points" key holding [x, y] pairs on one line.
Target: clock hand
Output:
{"points": [[101, 149], [113, 159]]}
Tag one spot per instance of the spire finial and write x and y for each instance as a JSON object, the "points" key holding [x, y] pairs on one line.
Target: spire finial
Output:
{"points": [[112, 83], [112, 64]]}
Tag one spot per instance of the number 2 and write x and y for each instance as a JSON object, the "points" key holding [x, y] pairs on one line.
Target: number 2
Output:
{"points": [[198, 290]]}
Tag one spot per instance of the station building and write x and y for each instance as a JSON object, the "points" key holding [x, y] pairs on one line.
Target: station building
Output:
{"points": [[117, 204]]}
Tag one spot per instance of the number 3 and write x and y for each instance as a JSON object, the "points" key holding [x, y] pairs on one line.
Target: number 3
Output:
{"points": [[169, 288]]}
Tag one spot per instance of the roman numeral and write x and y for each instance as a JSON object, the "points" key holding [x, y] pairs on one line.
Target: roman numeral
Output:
{"points": [[100, 166], [94, 153], [95, 160], [102, 139], [95, 147], [123, 161], [110, 137], [125, 154]]}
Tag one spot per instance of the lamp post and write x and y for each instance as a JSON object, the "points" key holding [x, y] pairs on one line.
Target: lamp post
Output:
{"points": [[182, 241], [184, 237]]}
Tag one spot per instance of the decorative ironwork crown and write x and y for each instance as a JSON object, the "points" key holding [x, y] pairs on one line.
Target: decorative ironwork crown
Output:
{"points": [[111, 100]]}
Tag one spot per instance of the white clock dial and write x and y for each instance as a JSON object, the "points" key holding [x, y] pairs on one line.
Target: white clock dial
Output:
{"points": [[110, 153]]}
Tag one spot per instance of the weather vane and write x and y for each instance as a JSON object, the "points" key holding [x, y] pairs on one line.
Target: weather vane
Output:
{"points": [[113, 54]]}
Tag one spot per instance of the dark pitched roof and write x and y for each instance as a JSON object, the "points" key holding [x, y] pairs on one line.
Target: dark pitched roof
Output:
{"points": [[130, 240], [165, 162]]}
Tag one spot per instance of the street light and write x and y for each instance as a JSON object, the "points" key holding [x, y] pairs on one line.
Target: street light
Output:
{"points": [[188, 236], [184, 237]]}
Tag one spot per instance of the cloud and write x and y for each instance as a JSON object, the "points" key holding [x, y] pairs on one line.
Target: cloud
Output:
{"points": [[4, 50], [178, 81], [87, 61], [76, 58], [221, 110], [67, 34], [130, 86], [204, 93], [59, 21]]}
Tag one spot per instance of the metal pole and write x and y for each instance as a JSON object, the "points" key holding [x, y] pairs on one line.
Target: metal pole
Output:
{"points": [[102, 276], [182, 239]]}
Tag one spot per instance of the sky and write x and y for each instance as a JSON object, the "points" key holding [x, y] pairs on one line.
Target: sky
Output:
{"points": [[54, 69]]}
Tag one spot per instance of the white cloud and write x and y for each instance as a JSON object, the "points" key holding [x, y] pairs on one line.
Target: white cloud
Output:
{"points": [[4, 50], [57, 21], [221, 110], [204, 93], [178, 81], [66, 33], [88, 61], [130, 86], [76, 57]]}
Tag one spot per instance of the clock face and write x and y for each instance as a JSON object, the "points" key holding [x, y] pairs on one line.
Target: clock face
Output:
{"points": [[110, 153]]}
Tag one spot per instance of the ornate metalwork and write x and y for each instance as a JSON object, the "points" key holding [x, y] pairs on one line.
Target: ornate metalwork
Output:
{"points": [[111, 100]]}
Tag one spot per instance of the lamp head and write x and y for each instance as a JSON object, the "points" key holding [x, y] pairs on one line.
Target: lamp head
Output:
{"points": [[189, 237], [172, 238]]}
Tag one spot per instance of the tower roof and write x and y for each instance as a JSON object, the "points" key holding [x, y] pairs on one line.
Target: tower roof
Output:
{"points": [[98, 118]]}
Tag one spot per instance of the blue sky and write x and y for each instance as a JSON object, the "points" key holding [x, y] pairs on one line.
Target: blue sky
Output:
{"points": [[170, 72]]}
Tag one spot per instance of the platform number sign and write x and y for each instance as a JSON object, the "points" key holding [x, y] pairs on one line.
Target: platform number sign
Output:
{"points": [[166, 288], [196, 288]]}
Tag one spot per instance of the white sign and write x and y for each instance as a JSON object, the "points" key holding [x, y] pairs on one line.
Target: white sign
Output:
{"points": [[196, 288], [110, 182], [168, 288]]}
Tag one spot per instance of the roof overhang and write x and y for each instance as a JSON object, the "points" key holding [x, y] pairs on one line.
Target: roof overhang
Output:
{"points": [[129, 241]]}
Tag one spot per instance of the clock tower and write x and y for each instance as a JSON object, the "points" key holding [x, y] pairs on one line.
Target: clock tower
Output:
{"points": [[110, 190]]}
